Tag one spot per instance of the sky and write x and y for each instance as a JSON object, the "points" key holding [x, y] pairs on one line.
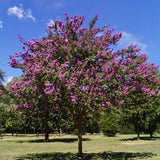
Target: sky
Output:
{"points": [[138, 20]]}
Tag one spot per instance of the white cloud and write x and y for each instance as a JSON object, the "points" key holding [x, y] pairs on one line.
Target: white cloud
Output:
{"points": [[1, 25], [50, 23], [20, 13], [16, 11], [7, 80], [29, 14], [128, 39]]}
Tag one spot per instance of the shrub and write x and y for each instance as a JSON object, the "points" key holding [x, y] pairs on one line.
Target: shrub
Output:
{"points": [[109, 124]]}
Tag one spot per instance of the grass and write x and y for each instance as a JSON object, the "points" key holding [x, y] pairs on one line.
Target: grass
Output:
{"points": [[121, 147]]}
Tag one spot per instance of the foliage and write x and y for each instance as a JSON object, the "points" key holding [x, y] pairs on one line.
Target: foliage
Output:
{"points": [[152, 121], [90, 125], [14, 122], [109, 124], [125, 124], [3, 117]]}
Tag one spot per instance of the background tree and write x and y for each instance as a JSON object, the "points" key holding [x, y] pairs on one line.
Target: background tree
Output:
{"points": [[109, 123], [3, 106], [14, 122], [140, 84], [152, 116], [3, 117], [91, 125]]}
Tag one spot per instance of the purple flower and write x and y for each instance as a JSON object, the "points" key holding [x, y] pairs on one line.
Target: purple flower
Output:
{"points": [[79, 62], [87, 88], [47, 90], [48, 84], [73, 99], [109, 103]]}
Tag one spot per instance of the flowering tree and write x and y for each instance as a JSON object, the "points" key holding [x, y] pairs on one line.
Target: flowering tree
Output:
{"points": [[73, 71], [40, 117], [140, 83]]}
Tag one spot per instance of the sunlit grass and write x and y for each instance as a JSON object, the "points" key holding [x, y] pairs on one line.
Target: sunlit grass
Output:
{"points": [[65, 147]]}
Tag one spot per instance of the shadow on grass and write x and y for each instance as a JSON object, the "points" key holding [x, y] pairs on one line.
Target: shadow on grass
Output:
{"points": [[65, 140], [87, 156], [141, 138]]}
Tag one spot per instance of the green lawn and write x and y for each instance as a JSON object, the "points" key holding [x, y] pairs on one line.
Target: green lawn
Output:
{"points": [[65, 147]]}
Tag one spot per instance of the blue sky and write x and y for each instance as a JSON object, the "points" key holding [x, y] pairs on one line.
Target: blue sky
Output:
{"points": [[138, 20]]}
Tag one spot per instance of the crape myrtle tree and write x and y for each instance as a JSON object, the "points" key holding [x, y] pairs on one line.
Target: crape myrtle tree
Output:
{"points": [[38, 118], [19, 121], [72, 72], [66, 71], [140, 82]]}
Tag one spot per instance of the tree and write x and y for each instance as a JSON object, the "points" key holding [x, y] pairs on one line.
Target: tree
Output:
{"points": [[152, 116], [91, 125], [3, 117], [14, 122], [109, 123], [4, 101], [140, 84], [72, 72], [36, 117]]}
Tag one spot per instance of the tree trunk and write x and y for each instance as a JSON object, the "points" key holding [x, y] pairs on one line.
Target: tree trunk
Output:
{"points": [[46, 136], [37, 134], [60, 130], [138, 134], [79, 141], [137, 126], [150, 130], [151, 134]]}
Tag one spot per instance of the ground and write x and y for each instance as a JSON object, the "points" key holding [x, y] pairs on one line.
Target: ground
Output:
{"points": [[24, 147]]}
